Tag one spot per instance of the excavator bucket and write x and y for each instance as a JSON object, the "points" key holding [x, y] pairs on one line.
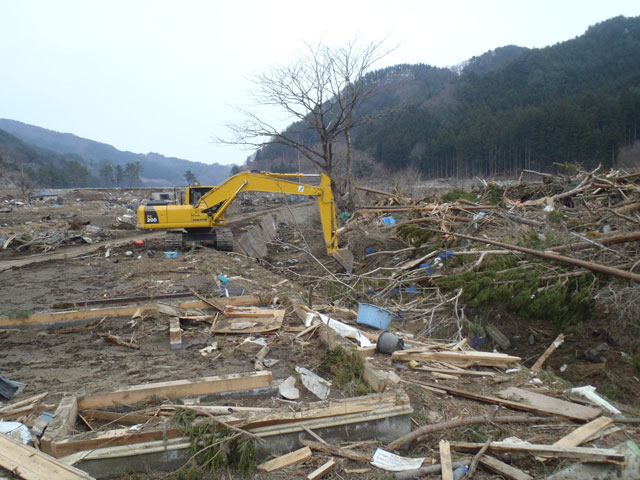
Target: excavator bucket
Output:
{"points": [[344, 258]]}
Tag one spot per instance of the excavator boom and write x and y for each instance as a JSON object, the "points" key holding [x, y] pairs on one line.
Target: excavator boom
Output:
{"points": [[210, 208]]}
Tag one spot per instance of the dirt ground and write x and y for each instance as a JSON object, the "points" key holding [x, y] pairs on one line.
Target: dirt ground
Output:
{"points": [[77, 360]]}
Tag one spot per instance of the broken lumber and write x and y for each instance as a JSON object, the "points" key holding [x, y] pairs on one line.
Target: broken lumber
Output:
{"points": [[31, 464], [498, 337], [13, 406], [547, 353], [466, 358], [551, 405], [322, 470], [336, 451], [595, 455], [445, 460], [285, 460], [117, 417], [576, 412], [630, 237], [584, 433], [61, 424], [461, 422], [503, 469], [78, 315], [594, 267], [177, 389]]}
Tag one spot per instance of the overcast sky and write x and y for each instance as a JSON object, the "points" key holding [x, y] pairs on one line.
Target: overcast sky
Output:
{"points": [[160, 76]]}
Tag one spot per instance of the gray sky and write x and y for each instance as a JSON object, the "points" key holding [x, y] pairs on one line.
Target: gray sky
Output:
{"points": [[161, 76]]}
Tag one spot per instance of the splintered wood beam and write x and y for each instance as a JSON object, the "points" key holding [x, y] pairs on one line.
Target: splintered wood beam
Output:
{"points": [[547, 353], [285, 460], [61, 424], [552, 405], [78, 315], [595, 455], [31, 464], [474, 358], [177, 389]]}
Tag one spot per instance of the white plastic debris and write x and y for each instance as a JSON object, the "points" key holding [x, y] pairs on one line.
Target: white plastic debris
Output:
{"points": [[589, 392], [395, 463], [288, 389], [340, 328], [314, 383], [16, 430]]}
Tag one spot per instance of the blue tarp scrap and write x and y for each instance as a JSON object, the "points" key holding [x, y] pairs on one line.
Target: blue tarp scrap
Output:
{"points": [[389, 221], [428, 267], [445, 254], [369, 251], [412, 290]]}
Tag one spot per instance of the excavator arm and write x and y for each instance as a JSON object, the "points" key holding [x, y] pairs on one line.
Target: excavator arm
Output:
{"points": [[210, 209]]}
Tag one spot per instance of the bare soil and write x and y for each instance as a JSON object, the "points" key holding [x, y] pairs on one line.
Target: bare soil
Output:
{"points": [[74, 360]]}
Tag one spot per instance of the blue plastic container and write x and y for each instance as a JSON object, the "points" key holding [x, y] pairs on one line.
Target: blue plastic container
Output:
{"points": [[373, 316], [171, 254]]}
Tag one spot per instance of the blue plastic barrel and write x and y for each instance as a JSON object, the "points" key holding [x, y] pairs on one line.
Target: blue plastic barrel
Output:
{"points": [[373, 316]]}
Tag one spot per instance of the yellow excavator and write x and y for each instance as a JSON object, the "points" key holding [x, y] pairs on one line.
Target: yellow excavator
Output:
{"points": [[201, 216]]}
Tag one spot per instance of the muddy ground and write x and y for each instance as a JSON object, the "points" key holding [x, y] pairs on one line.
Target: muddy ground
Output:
{"points": [[77, 360]]}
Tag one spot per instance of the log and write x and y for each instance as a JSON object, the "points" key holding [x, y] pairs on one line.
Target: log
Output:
{"points": [[630, 237], [427, 429], [594, 267]]}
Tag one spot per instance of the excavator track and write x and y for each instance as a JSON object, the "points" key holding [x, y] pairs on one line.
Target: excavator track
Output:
{"points": [[224, 239], [173, 240]]}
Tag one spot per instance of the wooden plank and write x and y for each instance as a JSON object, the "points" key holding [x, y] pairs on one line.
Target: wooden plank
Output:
{"points": [[121, 418], [177, 389], [595, 455], [11, 407], [285, 460], [547, 353], [61, 424], [267, 321], [503, 469], [578, 415], [552, 405], [445, 460], [31, 464], [112, 438], [322, 470], [127, 311], [467, 358], [581, 434], [175, 333]]}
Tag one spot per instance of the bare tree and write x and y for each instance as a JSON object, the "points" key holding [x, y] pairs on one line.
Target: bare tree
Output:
{"points": [[320, 92]]}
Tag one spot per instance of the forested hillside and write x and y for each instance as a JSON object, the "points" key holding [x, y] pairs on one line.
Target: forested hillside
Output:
{"points": [[28, 166], [112, 167], [512, 108]]}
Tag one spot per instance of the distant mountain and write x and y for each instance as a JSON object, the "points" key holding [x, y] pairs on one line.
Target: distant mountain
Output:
{"points": [[157, 170], [511, 108]]}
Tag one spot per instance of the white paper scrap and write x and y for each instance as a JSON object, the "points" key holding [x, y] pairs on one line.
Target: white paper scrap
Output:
{"points": [[314, 383], [394, 463], [340, 328]]}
